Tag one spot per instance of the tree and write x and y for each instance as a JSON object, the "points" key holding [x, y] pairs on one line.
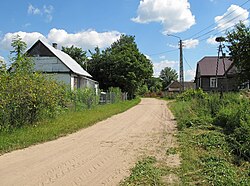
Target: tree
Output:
{"points": [[2, 66], [77, 54], [20, 61], [239, 48], [121, 65], [168, 75], [154, 84]]}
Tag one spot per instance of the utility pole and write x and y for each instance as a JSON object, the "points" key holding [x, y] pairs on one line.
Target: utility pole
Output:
{"points": [[181, 67], [181, 74]]}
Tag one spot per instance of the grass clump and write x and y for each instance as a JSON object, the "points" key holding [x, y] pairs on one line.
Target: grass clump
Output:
{"points": [[145, 172]]}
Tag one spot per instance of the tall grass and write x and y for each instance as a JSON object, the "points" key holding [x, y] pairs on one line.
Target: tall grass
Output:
{"points": [[214, 135], [66, 123]]}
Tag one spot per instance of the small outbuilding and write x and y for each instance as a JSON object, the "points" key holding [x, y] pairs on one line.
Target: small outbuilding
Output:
{"points": [[175, 86]]}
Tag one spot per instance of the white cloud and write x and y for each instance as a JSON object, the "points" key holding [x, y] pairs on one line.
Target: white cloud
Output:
{"points": [[189, 75], [173, 46], [187, 44], [211, 40], [175, 16], [190, 43], [162, 64], [86, 39], [28, 38], [45, 11], [48, 10], [233, 15], [33, 10]]}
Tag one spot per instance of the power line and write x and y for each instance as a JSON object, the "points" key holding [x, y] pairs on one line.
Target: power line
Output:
{"points": [[221, 31], [187, 63], [223, 24], [163, 52], [217, 21]]}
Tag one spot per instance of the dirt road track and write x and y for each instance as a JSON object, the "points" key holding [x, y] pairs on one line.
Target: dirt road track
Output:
{"points": [[99, 155]]}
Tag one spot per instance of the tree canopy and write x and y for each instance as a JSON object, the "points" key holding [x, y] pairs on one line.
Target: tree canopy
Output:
{"points": [[20, 61], [77, 54], [239, 48], [167, 75], [121, 65]]}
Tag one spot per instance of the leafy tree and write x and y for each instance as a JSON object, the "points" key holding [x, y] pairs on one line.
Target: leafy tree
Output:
{"points": [[239, 48], [121, 65], [154, 84], [27, 96], [77, 54], [20, 61], [2, 66], [167, 75]]}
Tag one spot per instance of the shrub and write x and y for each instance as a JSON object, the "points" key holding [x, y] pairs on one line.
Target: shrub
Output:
{"points": [[27, 98], [115, 94], [192, 94], [239, 140], [84, 98]]}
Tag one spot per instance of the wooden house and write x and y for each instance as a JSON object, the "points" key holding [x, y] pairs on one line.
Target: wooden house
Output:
{"points": [[48, 59], [207, 79]]}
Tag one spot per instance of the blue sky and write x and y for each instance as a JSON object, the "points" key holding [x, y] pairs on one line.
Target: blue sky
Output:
{"points": [[90, 23]]}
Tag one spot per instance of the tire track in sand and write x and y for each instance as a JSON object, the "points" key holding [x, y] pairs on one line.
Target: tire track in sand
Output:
{"points": [[99, 155]]}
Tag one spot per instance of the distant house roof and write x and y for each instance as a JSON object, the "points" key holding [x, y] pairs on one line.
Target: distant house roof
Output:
{"points": [[207, 66], [176, 86], [65, 58]]}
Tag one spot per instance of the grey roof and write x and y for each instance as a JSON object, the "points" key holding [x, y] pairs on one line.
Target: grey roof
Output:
{"points": [[207, 66], [67, 60]]}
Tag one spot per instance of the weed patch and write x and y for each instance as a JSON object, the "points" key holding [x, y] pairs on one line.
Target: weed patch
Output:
{"points": [[214, 138], [145, 172]]}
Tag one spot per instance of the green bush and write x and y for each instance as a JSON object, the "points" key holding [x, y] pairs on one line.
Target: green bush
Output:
{"points": [[115, 94], [84, 98], [192, 94], [26, 98], [239, 140]]}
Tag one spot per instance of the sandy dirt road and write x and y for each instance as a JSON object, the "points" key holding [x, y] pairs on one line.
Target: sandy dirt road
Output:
{"points": [[99, 155]]}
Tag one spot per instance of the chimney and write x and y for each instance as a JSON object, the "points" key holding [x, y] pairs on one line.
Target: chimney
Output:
{"points": [[54, 45]]}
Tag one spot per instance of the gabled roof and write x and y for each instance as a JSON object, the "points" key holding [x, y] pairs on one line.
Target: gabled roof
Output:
{"points": [[207, 66], [177, 84], [174, 84], [65, 58]]}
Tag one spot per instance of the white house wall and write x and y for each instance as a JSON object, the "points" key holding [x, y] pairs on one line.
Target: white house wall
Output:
{"points": [[49, 64], [61, 77]]}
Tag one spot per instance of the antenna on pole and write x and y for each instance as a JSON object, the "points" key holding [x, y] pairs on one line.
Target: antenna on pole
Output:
{"points": [[220, 40]]}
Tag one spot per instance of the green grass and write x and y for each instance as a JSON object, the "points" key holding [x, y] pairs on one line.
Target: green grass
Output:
{"points": [[145, 172], [205, 152], [66, 123]]}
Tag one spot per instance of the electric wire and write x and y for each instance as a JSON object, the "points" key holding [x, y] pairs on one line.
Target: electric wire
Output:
{"points": [[159, 53], [217, 20]]}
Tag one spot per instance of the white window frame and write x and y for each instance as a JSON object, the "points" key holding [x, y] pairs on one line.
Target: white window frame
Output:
{"points": [[213, 82]]}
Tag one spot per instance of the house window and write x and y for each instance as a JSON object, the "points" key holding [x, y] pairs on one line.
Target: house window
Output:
{"points": [[213, 82]]}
